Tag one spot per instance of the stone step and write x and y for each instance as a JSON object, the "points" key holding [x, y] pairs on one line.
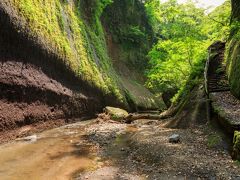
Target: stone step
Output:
{"points": [[219, 90]]}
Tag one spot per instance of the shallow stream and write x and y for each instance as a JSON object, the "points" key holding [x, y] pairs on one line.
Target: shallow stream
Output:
{"points": [[54, 154]]}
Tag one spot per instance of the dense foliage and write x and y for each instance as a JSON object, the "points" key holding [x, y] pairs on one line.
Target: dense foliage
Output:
{"points": [[184, 33]]}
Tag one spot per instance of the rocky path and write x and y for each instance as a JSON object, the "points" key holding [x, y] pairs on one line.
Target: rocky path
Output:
{"points": [[144, 152], [107, 150]]}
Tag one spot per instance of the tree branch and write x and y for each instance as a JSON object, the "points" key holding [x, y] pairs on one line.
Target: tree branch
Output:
{"points": [[216, 21]]}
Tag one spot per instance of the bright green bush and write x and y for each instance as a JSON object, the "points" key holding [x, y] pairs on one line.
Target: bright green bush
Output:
{"points": [[184, 33]]}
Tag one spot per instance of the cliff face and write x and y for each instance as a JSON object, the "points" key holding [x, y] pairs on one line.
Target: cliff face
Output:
{"points": [[235, 9], [129, 38], [233, 50], [59, 63], [38, 84]]}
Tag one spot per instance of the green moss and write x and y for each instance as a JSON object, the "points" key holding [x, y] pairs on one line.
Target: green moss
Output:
{"points": [[236, 145], [60, 26], [232, 57], [237, 163], [220, 70], [218, 110], [131, 31], [213, 140], [116, 113], [233, 66]]}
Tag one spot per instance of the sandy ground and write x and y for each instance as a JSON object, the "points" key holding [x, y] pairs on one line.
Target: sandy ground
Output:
{"points": [[142, 151]]}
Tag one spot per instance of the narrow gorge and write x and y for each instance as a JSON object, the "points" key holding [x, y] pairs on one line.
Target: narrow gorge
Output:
{"points": [[119, 89]]}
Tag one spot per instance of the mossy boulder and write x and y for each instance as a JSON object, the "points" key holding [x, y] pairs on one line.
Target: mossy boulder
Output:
{"points": [[116, 113], [236, 145]]}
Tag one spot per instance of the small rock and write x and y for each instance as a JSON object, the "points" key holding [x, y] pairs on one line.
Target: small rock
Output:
{"points": [[175, 138], [32, 138]]}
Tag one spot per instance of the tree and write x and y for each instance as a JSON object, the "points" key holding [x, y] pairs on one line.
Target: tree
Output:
{"points": [[217, 23], [181, 46]]}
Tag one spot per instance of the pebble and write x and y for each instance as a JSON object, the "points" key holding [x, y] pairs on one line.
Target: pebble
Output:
{"points": [[175, 138]]}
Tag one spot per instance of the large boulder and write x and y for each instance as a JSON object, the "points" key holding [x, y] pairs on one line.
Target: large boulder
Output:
{"points": [[116, 113]]}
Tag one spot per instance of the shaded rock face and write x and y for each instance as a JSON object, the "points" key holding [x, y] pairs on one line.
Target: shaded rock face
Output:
{"points": [[129, 38], [191, 111], [233, 51], [35, 86], [38, 85], [236, 9], [167, 96]]}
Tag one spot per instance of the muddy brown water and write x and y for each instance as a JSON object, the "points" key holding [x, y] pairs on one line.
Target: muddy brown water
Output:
{"points": [[56, 154]]}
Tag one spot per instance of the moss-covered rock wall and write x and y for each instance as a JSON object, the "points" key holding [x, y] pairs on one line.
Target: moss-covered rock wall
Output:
{"points": [[129, 38], [127, 23], [233, 50], [60, 27], [102, 42]]}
